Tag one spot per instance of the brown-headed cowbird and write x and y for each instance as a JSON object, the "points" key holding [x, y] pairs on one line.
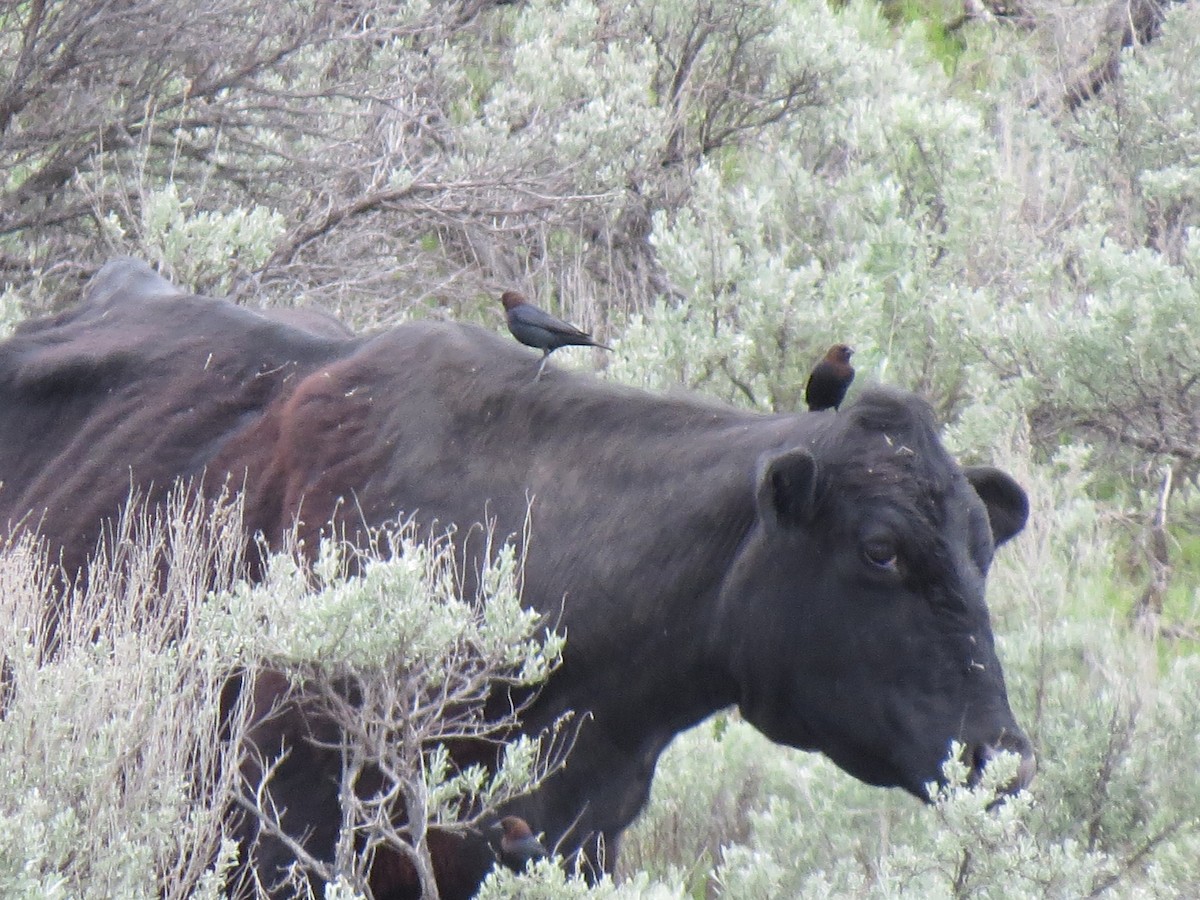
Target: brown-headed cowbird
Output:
{"points": [[830, 378], [536, 328], [517, 843]]}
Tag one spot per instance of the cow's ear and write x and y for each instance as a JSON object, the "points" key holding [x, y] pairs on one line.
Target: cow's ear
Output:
{"points": [[1006, 502], [787, 488]]}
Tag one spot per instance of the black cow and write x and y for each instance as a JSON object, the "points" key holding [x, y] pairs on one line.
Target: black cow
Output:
{"points": [[825, 574]]}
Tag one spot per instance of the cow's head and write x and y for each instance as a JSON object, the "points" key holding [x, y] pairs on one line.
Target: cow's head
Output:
{"points": [[854, 618]]}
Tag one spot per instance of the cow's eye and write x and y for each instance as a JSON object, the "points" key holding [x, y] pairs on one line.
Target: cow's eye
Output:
{"points": [[881, 553]]}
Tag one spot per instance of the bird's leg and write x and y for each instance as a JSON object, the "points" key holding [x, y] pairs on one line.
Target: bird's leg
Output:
{"points": [[545, 357]]}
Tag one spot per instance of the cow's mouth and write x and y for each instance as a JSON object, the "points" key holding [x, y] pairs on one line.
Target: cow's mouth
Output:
{"points": [[983, 754]]}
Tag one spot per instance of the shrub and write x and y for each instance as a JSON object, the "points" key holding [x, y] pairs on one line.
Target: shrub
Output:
{"points": [[113, 779], [117, 765], [381, 642]]}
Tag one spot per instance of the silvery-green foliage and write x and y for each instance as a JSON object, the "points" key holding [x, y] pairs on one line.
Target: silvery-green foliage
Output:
{"points": [[965, 249], [188, 244], [15, 298], [397, 608], [341, 890], [720, 790], [10, 311], [1109, 792], [1122, 361], [570, 94], [113, 781], [546, 880], [1143, 139], [213, 883], [391, 626], [554, 134], [733, 328], [1098, 340], [975, 850], [851, 221]]}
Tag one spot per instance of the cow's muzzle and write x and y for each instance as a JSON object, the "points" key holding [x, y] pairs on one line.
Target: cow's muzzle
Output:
{"points": [[983, 754]]}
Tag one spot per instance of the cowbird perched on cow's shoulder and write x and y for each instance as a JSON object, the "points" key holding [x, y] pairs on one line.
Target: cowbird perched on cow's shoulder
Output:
{"points": [[830, 378], [517, 843], [536, 328]]}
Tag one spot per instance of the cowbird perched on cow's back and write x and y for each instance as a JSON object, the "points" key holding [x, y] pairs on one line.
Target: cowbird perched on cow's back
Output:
{"points": [[536, 328], [518, 846], [830, 378]]}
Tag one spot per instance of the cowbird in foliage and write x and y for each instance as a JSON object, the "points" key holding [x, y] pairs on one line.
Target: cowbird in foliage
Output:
{"points": [[536, 328], [830, 378], [517, 843]]}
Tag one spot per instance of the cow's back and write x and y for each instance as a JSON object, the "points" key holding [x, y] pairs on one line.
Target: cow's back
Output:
{"points": [[445, 422]]}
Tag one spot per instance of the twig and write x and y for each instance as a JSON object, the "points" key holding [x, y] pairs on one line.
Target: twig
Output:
{"points": [[1149, 606]]}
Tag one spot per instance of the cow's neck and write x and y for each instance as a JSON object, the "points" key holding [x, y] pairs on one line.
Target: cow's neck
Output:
{"points": [[639, 600]]}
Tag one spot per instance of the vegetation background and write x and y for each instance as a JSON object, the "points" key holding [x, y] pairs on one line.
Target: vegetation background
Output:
{"points": [[996, 204]]}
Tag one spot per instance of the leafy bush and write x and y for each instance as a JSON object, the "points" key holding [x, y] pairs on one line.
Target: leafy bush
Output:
{"points": [[189, 244], [113, 780], [116, 778], [382, 643]]}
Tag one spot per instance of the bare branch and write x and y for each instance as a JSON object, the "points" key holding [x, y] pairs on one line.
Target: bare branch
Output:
{"points": [[1127, 23]]}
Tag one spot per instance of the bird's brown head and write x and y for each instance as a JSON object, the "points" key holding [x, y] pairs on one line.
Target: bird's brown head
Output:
{"points": [[511, 299], [839, 353], [515, 828]]}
